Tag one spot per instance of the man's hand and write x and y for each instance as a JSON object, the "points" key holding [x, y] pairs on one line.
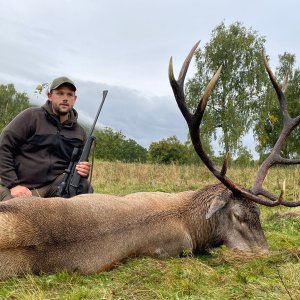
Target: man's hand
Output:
{"points": [[83, 168], [20, 191]]}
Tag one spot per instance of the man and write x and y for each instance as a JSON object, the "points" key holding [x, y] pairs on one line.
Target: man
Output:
{"points": [[36, 146]]}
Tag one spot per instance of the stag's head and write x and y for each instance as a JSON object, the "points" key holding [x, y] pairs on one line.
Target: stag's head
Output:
{"points": [[237, 222], [236, 210]]}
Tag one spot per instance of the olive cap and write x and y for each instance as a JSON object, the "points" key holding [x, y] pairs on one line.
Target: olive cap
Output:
{"points": [[61, 80]]}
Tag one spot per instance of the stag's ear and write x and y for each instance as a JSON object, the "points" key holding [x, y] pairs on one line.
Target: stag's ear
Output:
{"points": [[217, 204]]}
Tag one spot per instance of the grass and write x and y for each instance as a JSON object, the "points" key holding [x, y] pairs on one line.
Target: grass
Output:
{"points": [[219, 274]]}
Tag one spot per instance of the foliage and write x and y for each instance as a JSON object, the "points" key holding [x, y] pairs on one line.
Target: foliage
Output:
{"points": [[11, 103], [168, 151], [42, 88], [240, 85], [269, 123], [114, 146], [244, 158], [171, 150]]}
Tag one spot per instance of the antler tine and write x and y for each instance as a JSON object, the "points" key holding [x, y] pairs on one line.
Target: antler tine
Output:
{"points": [[280, 199], [186, 64], [178, 85], [279, 91], [204, 99], [178, 93]]}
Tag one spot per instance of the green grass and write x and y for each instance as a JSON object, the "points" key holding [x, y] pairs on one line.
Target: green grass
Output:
{"points": [[219, 274]]}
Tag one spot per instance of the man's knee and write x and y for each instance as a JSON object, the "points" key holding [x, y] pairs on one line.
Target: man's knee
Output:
{"points": [[85, 187], [5, 193], [51, 190]]}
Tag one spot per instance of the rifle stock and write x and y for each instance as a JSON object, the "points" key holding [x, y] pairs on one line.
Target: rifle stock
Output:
{"points": [[70, 185]]}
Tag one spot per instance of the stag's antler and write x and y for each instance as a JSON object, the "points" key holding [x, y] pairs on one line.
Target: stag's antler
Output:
{"points": [[194, 121]]}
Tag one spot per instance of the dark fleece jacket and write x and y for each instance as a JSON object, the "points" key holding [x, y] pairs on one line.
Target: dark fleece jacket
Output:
{"points": [[35, 147]]}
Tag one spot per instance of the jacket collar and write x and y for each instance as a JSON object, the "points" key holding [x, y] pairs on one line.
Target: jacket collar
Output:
{"points": [[70, 122]]}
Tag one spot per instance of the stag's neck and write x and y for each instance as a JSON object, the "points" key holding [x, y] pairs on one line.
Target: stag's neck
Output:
{"points": [[204, 232]]}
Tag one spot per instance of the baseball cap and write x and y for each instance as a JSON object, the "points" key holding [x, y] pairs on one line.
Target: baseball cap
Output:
{"points": [[62, 80]]}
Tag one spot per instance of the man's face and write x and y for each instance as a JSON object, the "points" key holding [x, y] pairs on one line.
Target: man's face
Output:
{"points": [[62, 99]]}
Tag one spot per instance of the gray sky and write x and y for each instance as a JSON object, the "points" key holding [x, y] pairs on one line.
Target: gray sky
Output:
{"points": [[124, 46]]}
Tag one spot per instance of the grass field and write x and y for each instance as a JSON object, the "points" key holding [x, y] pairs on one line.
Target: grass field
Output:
{"points": [[219, 274]]}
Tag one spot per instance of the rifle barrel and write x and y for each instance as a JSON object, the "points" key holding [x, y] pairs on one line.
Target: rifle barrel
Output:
{"points": [[86, 146], [98, 112]]}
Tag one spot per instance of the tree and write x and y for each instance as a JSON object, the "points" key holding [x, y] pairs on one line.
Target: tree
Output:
{"points": [[11, 103], [244, 158], [269, 123], [113, 146], [241, 84], [168, 151], [133, 152]]}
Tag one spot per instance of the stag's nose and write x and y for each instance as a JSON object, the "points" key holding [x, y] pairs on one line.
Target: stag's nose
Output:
{"points": [[260, 242], [259, 249], [254, 241]]}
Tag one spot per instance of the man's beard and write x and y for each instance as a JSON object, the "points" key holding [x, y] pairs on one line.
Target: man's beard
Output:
{"points": [[59, 112]]}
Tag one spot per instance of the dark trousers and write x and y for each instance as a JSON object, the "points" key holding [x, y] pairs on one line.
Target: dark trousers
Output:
{"points": [[46, 191]]}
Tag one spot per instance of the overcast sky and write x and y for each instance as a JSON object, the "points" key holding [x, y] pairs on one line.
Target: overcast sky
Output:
{"points": [[124, 46]]}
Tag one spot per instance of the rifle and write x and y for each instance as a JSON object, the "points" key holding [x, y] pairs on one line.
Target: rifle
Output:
{"points": [[71, 184]]}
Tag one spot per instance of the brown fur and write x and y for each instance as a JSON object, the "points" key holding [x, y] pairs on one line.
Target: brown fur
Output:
{"points": [[93, 232]]}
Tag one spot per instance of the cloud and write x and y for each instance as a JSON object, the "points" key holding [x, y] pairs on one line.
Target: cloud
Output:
{"points": [[143, 118], [124, 46]]}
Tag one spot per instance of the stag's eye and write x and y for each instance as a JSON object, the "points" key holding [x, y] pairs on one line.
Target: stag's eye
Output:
{"points": [[238, 217], [239, 214]]}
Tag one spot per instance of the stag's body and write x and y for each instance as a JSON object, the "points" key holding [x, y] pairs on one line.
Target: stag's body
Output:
{"points": [[92, 233]]}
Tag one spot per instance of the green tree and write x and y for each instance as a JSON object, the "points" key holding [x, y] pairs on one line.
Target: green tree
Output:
{"points": [[168, 151], [113, 146], [269, 123], [133, 152], [11, 103], [244, 158], [241, 84]]}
